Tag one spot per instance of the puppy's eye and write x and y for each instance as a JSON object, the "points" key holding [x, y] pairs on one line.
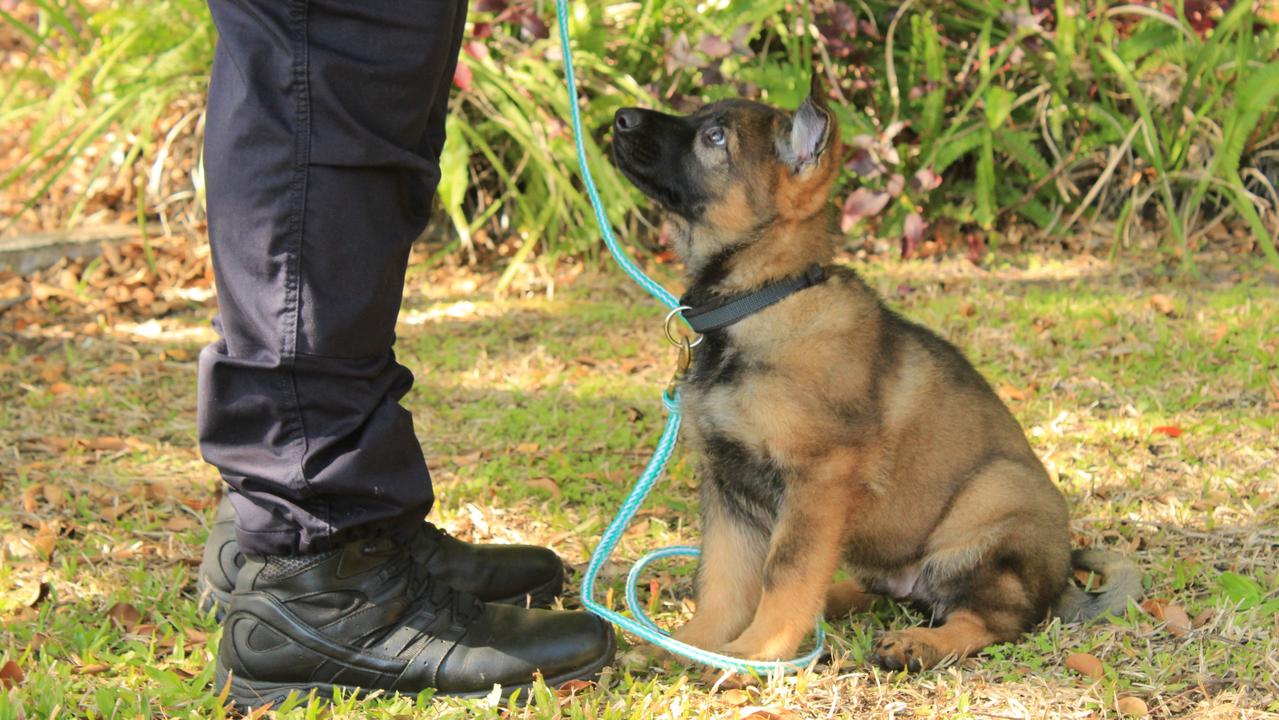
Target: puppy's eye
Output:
{"points": [[715, 136]]}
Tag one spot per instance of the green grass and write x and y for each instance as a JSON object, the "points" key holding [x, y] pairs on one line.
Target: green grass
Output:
{"points": [[563, 393]]}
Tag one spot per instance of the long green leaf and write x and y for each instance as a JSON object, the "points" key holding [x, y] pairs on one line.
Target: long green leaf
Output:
{"points": [[986, 180], [1152, 143]]}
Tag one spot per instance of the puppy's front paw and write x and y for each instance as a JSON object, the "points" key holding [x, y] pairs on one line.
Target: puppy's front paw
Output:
{"points": [[900, 650], [700, 633], [747, 648]]}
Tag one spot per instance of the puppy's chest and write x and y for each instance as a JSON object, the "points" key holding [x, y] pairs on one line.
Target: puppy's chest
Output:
{"points": [[722, 397], [744, 391], [720, 376], [747, 479], [717, 362]]}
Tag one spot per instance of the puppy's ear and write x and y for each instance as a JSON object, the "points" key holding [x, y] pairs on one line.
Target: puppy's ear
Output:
{"points": [[803, 141]]}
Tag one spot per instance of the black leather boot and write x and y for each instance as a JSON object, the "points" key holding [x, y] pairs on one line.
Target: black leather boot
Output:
{"points": [[368, 616], [521, 575]]}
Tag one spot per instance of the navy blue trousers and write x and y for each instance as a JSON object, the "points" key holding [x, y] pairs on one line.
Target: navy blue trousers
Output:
{"points": [[324, 131]]}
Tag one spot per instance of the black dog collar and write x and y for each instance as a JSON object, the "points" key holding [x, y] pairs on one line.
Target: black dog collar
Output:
{"points": [[720, 315]]}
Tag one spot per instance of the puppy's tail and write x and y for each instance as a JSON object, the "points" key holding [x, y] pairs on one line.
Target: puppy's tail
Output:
{"points": [[1123, 584]]}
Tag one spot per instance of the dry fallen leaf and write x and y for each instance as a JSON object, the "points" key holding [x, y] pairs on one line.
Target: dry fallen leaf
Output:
{"points": [[199, 503], [38, 640], [572, 687], [45, 541], [24, 614], [104, 443], [55, 496], [1162, 304], [527, 448], [60, 388], [1177, 620], [467, 459], [547, 484], [151, 491], [259, 712], [179, 523], [29, 502], [1085, 664], [1008, 392], [767, 713], [126, 615], [735, 697], [10, 674], [1172, 614], [115, 512], [1203, 618], [1132, 706]]}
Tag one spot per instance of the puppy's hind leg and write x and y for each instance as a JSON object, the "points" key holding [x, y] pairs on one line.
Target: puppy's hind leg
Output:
{"points": [[993, 607], [992, 568], [847, 596], [964, 633]]}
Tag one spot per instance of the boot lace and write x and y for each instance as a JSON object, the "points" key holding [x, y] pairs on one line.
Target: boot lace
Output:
{"points": [[432, 592]]}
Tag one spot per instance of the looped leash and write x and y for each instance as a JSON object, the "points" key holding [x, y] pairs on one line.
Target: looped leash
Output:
{"points": [[640, 625]]}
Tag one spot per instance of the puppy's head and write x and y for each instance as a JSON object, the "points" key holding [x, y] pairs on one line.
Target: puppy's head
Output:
{"points": [[732, 167]]}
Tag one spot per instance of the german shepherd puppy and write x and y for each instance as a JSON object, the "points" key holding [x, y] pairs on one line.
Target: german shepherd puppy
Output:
{"points": [[832, 430]]}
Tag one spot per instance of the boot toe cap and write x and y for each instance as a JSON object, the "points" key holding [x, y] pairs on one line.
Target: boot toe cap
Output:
{"points": [[509, 645]]}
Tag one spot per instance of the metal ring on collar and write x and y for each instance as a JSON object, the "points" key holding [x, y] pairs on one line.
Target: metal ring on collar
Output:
{"points": [[670, 336]]}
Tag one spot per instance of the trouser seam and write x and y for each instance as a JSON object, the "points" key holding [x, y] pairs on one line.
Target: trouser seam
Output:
{"points": [[295, 229]]}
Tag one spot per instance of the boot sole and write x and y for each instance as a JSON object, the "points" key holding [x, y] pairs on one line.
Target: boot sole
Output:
{"points": [[249, 694]]}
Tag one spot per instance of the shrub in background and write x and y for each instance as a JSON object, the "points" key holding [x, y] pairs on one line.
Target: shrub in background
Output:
{"points": [[1055, 112], [966, 120]]}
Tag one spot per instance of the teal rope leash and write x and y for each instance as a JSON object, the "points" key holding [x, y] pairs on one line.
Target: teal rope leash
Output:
{"points": [[606, 229], [640, 625]]}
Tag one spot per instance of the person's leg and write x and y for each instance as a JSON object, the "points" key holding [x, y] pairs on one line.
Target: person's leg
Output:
{"points": [[326, 122], [325, 125]]}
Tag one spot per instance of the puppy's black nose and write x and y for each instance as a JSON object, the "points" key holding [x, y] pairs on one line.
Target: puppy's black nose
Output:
{"points": [[627, 120]]}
